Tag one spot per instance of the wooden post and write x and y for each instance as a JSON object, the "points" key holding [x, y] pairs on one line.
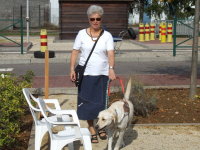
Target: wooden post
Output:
{"points": [[44, 48], [46, 74]]}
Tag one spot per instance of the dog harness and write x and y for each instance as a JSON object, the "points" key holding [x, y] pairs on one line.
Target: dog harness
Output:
{"points": [[126, 107]]}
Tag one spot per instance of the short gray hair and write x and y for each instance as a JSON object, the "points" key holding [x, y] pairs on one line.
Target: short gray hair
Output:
{"points": [[95, 9]]}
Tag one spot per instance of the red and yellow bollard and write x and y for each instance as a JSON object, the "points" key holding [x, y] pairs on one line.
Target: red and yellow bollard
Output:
{"points": [[160, 28], [163, 33], [152, 31], [141, 32], [147, 32], [43, 40], [169, 32]]}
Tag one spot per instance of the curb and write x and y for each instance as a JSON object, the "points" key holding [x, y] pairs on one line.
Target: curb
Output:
{"points": [[118, 59], [74, 90]]}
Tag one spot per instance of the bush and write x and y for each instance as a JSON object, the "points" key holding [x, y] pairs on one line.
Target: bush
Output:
{"points": [[12, 106], [143, 104]]}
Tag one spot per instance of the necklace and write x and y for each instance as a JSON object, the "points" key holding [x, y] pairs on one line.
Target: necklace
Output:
{"points": [[93, 38]]}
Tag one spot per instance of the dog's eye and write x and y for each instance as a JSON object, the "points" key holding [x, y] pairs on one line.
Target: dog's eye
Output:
{"points": [[103, 119]]}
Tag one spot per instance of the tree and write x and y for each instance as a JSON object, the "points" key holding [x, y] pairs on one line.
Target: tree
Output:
{"points": [[138, 6], [182, 9], [193, 83]]}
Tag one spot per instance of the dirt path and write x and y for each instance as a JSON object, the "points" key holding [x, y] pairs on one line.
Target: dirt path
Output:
{"points": [[143, 137]]}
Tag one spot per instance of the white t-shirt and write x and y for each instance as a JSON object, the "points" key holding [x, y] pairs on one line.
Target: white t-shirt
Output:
{"points": [[98, 62]]}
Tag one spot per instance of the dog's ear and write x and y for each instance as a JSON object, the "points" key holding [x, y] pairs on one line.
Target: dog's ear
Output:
{"points": [[128, 89]]}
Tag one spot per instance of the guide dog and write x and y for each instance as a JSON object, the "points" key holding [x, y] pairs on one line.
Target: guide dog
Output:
{"points": [[117, 118]]}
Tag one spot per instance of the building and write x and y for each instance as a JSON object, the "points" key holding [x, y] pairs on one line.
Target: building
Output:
{"points": [[73, 16], [38, 9]]}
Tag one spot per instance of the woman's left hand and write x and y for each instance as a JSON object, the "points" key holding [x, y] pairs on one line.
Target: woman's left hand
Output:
{"points": [[112, 75]]}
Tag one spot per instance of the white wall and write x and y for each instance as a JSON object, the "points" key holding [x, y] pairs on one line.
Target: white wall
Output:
{"points": [[54, 12]]}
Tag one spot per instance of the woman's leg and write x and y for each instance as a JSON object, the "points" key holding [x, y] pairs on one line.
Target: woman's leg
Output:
{"points": [[92, 131]]}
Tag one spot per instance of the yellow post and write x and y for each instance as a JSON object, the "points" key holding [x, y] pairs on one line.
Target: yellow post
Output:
{"points": [[169, 32], [163, 33], [147, 31], [44, 48], [160, 27], [152, 31], [141, 32]]}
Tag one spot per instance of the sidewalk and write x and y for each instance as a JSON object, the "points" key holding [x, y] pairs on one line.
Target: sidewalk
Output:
{"points": [[130, 51]]}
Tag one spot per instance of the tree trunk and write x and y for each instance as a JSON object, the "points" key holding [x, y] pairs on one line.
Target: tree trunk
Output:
{"points": [[193, 81], [141, 11]]}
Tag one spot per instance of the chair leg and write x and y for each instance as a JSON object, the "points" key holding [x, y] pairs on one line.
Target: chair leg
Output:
{"points": [[39, 133], [58, 145], [87, 142], [71, 146]]}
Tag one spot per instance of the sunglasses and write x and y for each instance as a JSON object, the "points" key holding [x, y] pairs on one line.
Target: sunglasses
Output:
{"points": [[93, 19]]}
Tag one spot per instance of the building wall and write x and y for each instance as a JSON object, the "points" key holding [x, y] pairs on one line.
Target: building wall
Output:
{"points": [[73, 17], [10, 9]]}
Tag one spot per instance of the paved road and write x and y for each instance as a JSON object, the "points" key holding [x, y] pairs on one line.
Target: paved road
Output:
{"points": [[57, 69]]}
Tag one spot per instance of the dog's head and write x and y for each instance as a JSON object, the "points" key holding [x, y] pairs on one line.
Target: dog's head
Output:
{"points": [[105, 119]]}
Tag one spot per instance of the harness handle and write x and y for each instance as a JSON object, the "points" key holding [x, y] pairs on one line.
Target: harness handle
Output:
{"points": [[121, 84]]}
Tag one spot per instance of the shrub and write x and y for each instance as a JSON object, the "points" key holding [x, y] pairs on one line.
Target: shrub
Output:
{"points": [[143, 103], [12, 106]]}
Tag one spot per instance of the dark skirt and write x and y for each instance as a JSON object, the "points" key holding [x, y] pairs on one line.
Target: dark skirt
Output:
{"points": [[91, 96]]}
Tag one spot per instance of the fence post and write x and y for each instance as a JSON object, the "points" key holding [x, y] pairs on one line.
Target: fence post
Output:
{"points": [[174, 37], [39, 17], [21, 30]]}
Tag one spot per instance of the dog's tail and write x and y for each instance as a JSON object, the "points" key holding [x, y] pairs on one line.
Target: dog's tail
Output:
{"points": [[128, 90]]}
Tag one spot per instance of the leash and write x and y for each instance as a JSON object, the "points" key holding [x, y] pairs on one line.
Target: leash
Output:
{"points": [[108, 89], [107, 97]]}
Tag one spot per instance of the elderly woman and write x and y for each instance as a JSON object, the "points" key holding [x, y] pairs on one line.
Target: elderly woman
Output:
{"points": [[100, 68]]}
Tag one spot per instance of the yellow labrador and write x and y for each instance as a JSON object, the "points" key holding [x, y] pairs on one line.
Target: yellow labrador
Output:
{"points": [[117, 118]]}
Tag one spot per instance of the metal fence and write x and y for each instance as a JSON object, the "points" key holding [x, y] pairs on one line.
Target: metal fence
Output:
{"points": [[183, 27], [39, 16]]}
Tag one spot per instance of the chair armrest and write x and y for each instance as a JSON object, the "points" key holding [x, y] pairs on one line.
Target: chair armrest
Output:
{"points": [[66, 112], [53, 101], [64, 123]]}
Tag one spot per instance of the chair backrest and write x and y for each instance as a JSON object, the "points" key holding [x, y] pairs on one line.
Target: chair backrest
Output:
{"points": [[30, 99], [44, 111]]}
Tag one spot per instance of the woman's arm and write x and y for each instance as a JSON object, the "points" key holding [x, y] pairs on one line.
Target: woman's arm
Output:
{"points": [[73, 58], [111, 61]]}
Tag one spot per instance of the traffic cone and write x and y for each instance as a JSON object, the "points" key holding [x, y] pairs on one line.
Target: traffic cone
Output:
{"points": [[169, 32], [147, 32], [141, 32], [163, 33], [152, 31]]}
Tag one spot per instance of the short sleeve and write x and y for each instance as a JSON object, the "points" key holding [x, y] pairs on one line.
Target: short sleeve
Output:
{"points": [[77, 42], [110, 43]]}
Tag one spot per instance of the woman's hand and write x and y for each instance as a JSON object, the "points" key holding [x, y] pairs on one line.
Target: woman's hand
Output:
{"points": [[72, 75], [72, 64], [112, 75]]}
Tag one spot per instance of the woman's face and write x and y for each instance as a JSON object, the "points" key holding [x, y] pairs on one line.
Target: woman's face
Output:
{"points": [[95, 21]]}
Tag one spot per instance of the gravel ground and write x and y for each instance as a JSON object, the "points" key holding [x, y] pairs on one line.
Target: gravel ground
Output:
{"points": [[142, 137]]}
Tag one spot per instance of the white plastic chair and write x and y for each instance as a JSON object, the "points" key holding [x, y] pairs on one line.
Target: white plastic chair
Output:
{"points": [[40, 124], [71, 132]]}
